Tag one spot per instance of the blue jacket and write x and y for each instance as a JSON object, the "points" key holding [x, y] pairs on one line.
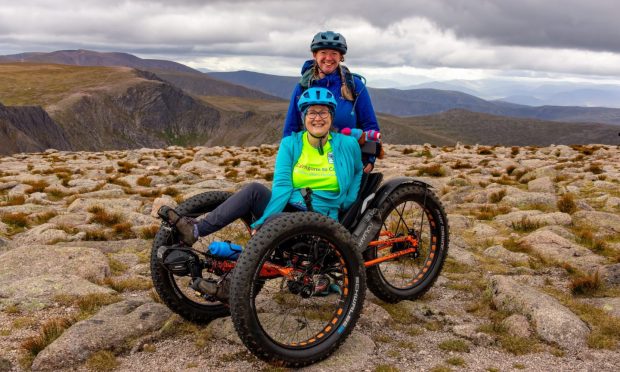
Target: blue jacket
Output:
{"points": [[348, 164], [358, 114]]}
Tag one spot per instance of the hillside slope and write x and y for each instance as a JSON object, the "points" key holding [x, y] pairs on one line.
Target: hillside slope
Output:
{"points": [[29, 129], [109, 107]]}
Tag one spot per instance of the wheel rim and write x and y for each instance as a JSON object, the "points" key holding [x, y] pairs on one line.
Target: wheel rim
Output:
{"points": [[408, 218], [237, 232], [287, 316]]}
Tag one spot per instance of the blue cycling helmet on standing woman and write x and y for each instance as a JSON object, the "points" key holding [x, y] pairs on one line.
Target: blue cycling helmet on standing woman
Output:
{"points": [[329, 40], [317, 96]]}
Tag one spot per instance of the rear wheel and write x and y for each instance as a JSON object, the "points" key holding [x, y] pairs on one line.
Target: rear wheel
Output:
{"points": [[302, 316], [175, 290], [415, 211]]}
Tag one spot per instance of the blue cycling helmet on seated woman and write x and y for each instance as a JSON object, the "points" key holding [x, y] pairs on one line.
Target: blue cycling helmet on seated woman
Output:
{"points": [[317, 96]]}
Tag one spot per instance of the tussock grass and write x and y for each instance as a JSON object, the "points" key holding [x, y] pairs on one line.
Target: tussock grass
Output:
{"points": [[504, 180], [123, 230], [482, 150], [41, 218], [96, 235], [102, 360], [585, 284], [48, 333], [496, 197], [595, 168], [103, 217], [13, 200], [231, 174], [149, 232], [433, 170], [525, 225], [461, 165], [268, 176], [37, 185], [488, 212], [144, 181], [16, 219], [11, 309], [456, 361], [128, 284], [171, 191], [455, 344], [252, 171], [125, 166], [230, 162], [116, 266], [408, 150], [118, 181], [386, 368], [566, 204], [88, 304]]}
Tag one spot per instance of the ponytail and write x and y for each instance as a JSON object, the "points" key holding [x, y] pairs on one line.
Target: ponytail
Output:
{"points": [[344, 89]]}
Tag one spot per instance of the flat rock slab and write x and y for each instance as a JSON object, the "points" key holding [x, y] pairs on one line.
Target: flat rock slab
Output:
{"points": [[606, 223], [556, 248], [120, 204], [524, 199], [553, 322], [503, 254], [34, 260], [109, 329], [46, 233], [38, 292], [535, 216]]}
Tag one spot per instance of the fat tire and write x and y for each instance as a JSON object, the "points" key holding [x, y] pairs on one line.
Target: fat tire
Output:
{"points": [[163, 279], [242, 310], [422, 196]]}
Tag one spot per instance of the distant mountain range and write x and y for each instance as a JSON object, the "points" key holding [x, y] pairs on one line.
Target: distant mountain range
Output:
{"points": [[416, 102], [83, 57], [101, 108], [400, 102]]}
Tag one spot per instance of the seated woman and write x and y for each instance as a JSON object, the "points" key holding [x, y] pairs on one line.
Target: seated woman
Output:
{"points": [[326, 162], [354, 109]]}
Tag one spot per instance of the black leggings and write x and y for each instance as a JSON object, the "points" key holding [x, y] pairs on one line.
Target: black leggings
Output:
{"points": [[251, 199]]}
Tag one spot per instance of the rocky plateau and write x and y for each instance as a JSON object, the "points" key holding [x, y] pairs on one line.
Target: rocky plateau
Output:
{"points": [[531, 281]]}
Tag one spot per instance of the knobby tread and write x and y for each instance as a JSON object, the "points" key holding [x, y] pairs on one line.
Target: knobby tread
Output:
{"points": [[162, 281], [248, 330], [375, 281]]}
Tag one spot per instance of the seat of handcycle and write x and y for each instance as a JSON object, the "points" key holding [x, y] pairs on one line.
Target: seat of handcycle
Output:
{"points": [[369, 184]]}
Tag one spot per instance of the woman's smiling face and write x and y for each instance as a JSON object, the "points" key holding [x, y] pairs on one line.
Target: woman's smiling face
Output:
{"points": [[327, 60], [318, 120]]}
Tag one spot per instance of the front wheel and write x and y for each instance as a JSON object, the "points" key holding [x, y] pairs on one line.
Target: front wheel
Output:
{"points": [[409, 211], [174, 290], [301, 315]]}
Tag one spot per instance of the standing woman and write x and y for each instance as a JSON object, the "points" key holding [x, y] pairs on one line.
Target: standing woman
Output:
{"points": [[325, 70]]}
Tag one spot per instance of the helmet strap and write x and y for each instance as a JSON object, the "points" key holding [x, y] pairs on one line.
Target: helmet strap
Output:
{"points": [[320, 138]]}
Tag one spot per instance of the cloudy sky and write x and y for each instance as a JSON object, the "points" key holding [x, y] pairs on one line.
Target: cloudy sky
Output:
{"points": [[406, 41]]}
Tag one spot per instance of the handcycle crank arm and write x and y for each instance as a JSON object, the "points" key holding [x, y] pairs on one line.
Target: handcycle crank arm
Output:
{"points": [[389, 257], [270, 270]]}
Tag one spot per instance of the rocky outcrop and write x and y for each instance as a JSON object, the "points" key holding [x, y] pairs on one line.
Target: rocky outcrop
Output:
{"points": [[552, 321], [32, 275], [555, 248], [108, 329]]}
